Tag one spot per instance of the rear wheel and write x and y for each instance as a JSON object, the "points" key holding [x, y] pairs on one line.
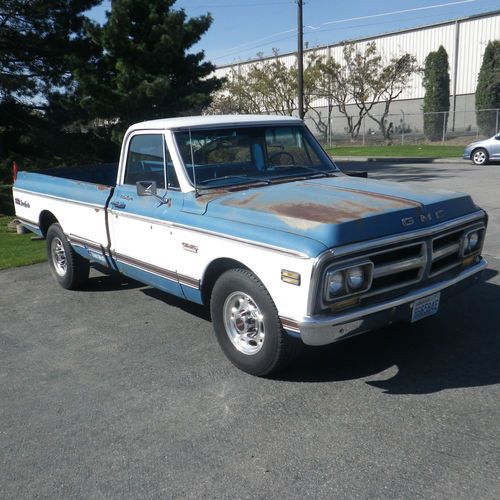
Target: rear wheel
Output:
{"points": [[68, 268], [247, 325], [480, 156]]}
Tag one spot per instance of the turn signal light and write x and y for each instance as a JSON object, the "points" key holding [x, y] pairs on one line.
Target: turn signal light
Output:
{"points": [[290, 277]]}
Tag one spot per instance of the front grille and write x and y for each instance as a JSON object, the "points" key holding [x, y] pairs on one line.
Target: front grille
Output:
{"points": [[398, 268], [446, 252]]}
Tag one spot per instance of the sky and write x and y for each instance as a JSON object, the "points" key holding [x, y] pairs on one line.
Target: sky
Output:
{"points": [[243, 28]]}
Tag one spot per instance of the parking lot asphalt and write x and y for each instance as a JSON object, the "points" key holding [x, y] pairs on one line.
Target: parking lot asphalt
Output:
{"points": [[120, 391]]}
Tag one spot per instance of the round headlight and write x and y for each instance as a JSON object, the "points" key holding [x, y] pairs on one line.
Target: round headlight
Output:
{"points": [[355, 278], [335, 283], [472, 241]]}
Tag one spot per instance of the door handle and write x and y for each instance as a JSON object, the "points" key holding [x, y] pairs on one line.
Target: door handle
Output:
{"points": [[118, 204]]}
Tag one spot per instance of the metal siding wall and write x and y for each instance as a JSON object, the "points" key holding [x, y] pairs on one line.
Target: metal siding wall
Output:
{"points": [[474, 36], [419, 43]]}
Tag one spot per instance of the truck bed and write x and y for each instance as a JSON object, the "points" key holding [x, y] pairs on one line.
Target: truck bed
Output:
{"points": [[77, 197], [104, 174]]}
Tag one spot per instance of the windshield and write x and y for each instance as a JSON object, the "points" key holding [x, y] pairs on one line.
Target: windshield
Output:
{"points": [[227, 156]]}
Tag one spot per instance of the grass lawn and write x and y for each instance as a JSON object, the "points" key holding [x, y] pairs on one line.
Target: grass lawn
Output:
{"points": [[18, 249], [399, 150]]}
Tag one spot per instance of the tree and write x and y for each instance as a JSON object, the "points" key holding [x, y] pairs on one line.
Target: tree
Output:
{"points": [[264, 86], [144, 70], [233, 98], [437, 94], [362, 81], [488, 89], [391, 82], [41, 43]]}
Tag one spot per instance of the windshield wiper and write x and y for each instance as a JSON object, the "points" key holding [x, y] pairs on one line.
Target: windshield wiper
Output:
{"points": [[226, 177], [327, 173], [304, 175]]}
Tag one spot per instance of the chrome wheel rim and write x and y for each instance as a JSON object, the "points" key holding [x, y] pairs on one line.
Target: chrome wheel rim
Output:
{"points": [[479, 157], [59, 256], [244, 323]]}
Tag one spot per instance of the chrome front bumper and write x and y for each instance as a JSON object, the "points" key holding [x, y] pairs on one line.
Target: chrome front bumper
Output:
{"points": [[325, 329]]}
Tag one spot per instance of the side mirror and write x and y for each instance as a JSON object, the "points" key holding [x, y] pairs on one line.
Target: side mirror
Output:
{"points": [[146, 188]]}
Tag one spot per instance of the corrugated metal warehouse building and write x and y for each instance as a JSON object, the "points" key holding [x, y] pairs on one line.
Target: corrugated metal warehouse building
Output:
{"points": [[464, 39]]}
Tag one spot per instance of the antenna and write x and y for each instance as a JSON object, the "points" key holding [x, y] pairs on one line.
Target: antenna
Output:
{"points": [[192, 163]]}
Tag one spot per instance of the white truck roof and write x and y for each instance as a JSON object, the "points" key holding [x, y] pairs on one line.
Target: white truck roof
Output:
{"points": [[212, 120]]}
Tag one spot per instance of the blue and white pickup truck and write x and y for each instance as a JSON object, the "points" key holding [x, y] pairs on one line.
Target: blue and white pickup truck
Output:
{"points": [[249, 215]]}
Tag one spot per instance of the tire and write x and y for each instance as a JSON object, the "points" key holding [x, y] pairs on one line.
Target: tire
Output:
{"points": [[68, 268], [247, 325], [480, 156]]}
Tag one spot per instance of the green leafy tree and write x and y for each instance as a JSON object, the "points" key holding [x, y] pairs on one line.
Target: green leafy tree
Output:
{"points": [[437, 94], [267, 86], [145, 69], [360, 82], [41, 43], [488, 89]]}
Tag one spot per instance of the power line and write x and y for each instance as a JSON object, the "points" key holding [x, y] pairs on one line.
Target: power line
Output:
{"points": [[231, 51], [234, 5], [415, 9], [312, 33]]}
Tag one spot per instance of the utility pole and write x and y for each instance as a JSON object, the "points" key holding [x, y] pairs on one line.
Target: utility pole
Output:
{"points": [[300, 60]]}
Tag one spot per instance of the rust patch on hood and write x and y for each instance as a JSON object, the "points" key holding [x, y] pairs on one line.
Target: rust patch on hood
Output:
{"points": [[324, 214]]}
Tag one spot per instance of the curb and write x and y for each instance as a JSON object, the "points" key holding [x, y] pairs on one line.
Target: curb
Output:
{"points": [[394, 159]]}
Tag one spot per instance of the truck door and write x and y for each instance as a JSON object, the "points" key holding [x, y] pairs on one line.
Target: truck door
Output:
{"points": [[142, 240]]}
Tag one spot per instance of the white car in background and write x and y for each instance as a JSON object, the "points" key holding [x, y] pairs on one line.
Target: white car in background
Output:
{"points": [[481, 152]]}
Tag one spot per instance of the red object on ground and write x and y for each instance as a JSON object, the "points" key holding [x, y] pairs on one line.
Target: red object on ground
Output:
{"points": [[14, 171]]}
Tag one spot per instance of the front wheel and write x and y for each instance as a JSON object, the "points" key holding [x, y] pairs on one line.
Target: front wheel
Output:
{"points": [[247, 325], [480, 156], [68, 268]]}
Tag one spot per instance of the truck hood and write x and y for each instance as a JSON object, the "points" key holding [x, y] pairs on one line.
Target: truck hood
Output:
{"points": [[339, 210]]}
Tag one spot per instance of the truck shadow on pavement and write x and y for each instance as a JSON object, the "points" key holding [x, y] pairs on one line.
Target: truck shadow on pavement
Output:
{"points": [[108, 281], [197, 310], [457, 349]]}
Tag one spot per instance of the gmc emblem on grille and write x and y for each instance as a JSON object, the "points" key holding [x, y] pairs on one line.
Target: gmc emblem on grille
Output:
{"points": [[409, 221]]}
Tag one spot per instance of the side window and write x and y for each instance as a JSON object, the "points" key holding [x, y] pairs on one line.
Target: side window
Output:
{"points": [[145, 160]]}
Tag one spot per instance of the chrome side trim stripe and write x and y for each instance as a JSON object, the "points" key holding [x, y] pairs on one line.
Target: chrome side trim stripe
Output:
{"points": [[266, 246], [290, 324], [59, 198], [28, 222], [130, 261], [158, 271], [83, 242], [164, 273]]}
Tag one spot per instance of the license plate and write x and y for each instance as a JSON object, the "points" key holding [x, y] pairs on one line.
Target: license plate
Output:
{"points": [[427, 306]]}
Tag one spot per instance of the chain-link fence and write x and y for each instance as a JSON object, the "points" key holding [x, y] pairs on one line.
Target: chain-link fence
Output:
{"points": [[459, 127]]}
